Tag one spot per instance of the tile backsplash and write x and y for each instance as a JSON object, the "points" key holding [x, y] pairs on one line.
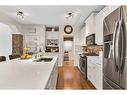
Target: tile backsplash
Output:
{"points": [[95, 49]]}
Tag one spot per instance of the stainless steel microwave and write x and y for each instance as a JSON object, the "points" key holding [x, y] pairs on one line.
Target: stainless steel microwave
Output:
{"points": [[90, 40]]}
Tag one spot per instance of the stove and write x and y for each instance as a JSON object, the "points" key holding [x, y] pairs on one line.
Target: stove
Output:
{"points": [[83, 65]]}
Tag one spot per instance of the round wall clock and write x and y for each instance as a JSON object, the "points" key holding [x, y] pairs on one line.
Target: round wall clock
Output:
{"points": [[68, 29]]}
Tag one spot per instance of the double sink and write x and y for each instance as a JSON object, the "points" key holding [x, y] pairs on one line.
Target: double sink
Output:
{"points": [[43, 60]]}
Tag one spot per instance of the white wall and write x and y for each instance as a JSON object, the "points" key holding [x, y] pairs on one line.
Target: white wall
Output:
{"points": [[5, 40], [16, 27], [8, 26], [75, 40]]}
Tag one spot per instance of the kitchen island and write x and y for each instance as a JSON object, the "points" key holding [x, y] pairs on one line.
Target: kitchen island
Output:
{"points": [[27, 74]]}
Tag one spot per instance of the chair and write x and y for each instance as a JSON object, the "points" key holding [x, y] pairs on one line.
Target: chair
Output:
{"points": [[2, 58], [14, 56]]}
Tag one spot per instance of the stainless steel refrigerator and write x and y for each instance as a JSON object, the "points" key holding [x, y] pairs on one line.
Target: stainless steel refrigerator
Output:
{"points": [[115, 49]]}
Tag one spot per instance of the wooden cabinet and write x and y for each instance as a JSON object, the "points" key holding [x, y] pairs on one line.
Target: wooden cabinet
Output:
{"points": [[17, 44], [51, 84], [94, 71]]}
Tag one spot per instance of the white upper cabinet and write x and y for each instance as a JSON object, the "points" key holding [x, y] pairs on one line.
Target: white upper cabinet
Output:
{"points": [[52, 35], [99, 28], [88, 29], [52, 32], [81, 36], [90, 24], [41, 34]]}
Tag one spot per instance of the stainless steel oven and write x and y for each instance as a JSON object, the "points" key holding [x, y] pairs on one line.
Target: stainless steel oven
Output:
{"points": [[83, 65]]}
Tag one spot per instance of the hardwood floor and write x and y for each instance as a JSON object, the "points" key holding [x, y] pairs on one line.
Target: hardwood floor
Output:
{"points": [[71, 78], [68, 63]]}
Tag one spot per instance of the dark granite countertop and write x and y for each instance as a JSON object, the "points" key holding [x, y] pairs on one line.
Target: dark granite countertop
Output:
{"points": [[91, 54]]}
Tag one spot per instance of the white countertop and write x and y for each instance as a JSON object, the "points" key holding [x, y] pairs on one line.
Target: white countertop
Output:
{"points": [[20, 74]]}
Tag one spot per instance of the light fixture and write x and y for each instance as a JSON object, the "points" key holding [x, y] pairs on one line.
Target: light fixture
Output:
{"points": [[69, 15], [72, 14], [20, 15]]}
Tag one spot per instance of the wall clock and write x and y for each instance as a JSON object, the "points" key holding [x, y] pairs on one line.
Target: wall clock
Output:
{"points": [[68, 29]]}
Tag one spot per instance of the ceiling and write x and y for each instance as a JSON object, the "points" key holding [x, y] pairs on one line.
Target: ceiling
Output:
{"points": [[51, 15]]}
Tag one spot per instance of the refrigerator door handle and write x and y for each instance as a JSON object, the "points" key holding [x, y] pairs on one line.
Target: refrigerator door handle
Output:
{"points": [[114, 44], [121, 30], [118, 47]]}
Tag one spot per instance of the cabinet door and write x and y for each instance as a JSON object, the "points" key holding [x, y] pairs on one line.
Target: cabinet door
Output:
{"points": [[90, 25], [52, 35], [99, 28], [89, 72], [98, 77], [94, 71], [90, 69], [81, 37], [41, 35]]}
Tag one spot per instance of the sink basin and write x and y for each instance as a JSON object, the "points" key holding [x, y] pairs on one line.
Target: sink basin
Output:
{"points": [[43, 60]]}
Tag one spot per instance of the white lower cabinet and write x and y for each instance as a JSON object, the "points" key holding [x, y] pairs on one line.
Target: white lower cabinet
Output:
{"points": [[98, 77], [94, 71], [51, 84]]}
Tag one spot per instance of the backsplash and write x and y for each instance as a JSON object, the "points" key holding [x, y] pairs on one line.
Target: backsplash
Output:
{"points": [[95, 49]]}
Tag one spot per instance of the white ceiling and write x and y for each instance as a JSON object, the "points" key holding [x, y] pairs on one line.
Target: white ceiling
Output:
{"points": [[51, 15]]}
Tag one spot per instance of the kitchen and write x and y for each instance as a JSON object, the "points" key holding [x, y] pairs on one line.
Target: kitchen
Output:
{"points": [[36, 48]]}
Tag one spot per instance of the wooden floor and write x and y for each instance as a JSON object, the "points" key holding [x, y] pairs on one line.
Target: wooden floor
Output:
{"points": [[71, 78], [68, 63]]}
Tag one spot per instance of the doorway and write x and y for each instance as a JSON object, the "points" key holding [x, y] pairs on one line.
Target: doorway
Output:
{"points": [[68, 48]]}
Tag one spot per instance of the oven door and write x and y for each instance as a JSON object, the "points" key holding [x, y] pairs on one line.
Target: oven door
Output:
{"points": [[83, 66]]}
